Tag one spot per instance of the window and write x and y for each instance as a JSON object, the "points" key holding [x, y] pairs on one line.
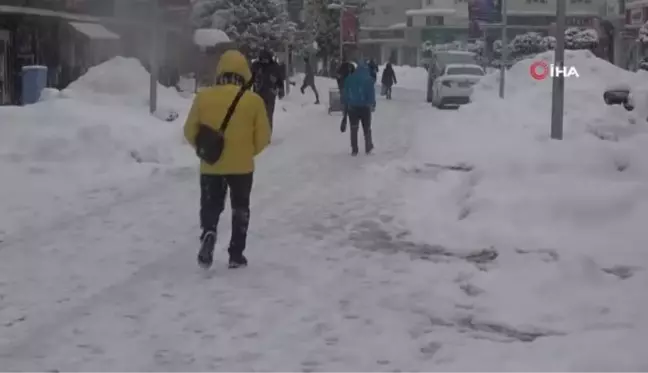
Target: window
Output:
{"points": [[468, 70], [434, 21]]}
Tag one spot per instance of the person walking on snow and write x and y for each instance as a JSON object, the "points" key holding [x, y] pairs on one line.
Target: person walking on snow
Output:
{"points": [[309, 80], [246, 135], [268, 81], [346, 68], [360, 97], [388, 79], [373, 69]]}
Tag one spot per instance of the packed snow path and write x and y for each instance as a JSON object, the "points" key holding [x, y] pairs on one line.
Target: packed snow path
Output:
{"points": [[118, 288]]}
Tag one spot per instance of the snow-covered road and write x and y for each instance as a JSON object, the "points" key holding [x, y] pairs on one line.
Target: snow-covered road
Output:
{"points": [[119, 289], [449, 249]]}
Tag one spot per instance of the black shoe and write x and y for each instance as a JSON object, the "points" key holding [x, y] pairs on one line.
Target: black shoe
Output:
{"points": [[206, 253], [237, 262], [369, 149], [317, 102], [354, 153]]}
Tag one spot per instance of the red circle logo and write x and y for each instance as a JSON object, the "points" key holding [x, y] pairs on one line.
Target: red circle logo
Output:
{"points": [[539, 70]]}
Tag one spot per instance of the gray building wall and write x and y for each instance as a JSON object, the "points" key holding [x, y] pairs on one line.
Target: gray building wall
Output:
{"points": [[385, 13]]}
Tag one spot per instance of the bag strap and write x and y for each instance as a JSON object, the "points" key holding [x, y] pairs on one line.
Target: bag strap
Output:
{"points": [[230, 110]]}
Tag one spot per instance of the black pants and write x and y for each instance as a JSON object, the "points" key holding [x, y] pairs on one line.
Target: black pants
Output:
{"points": [[360, 115], [213, 190], [388, 91], [312, 87], [269, 101]]}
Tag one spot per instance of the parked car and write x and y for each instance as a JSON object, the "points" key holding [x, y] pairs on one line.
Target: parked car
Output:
{"points": [[454, 86], [440, 59]]}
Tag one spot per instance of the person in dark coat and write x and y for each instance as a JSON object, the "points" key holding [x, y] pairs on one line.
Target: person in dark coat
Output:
{"points": [[268, 81], [373, 69], [359, 98], [388, 79], [346, 68], [309, 80]]}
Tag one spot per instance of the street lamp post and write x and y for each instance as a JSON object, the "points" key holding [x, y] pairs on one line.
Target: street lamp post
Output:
{"points": [[504, 49], [558, 89], [154, 56]]}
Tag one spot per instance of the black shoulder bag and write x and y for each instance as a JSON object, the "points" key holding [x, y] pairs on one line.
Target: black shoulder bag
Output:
{"points": [[209, 142]]}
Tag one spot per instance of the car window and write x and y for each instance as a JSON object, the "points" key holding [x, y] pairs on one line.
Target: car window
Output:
{"points": [[464, 71], [458, 58]]}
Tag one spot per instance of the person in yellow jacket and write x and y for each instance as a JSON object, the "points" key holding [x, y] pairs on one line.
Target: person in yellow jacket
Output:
{"points": [[247, 134]]}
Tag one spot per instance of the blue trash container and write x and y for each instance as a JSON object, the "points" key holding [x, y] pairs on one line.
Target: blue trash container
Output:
{"points": [[34, 80]]}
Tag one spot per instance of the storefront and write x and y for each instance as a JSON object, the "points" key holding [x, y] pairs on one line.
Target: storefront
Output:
{"points": [[389, 45]]}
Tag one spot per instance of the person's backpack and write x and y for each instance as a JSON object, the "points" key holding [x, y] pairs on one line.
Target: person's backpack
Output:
{"points": [[209, 142]]}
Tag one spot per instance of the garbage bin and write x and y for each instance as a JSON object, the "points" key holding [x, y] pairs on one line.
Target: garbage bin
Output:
{"points": [[34, 80]]}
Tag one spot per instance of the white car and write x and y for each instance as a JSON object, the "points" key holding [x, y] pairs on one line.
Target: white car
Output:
{"points": [[455, 84]]}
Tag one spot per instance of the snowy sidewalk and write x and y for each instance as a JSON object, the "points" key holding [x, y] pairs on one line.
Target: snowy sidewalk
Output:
{"points": [[103, 290]]}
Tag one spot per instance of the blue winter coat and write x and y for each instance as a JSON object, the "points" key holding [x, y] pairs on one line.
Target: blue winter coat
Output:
{"points": [[359, 89]]}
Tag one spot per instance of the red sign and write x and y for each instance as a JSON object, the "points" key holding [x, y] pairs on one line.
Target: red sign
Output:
{"points": [[350, 26]]}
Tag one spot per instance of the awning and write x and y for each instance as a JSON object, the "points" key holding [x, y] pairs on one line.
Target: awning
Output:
{"points": [[94, 31]]}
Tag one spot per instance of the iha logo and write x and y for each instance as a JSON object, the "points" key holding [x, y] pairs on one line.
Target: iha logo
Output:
{"points": [[539, 70]]}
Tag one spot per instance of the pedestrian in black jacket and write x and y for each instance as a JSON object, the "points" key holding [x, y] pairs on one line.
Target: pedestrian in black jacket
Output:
{"points": [[268, 81], [373, 69], [388, 79], [346, 68], [309, 80]]}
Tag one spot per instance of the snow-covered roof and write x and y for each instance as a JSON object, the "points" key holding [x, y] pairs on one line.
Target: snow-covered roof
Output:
{"points": [[209, 37], [430, 12], [398, 25], [94, 31]]}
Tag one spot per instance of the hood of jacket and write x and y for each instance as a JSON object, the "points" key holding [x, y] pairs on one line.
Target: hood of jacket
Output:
{"points": [[233, 61]]}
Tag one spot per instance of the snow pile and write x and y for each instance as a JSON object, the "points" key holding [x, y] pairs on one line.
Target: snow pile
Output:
{"points": [[567, 218], [210, 37], [408, 77], [89, 137], [121, 81]]}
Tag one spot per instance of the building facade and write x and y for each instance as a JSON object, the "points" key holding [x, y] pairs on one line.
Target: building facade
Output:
{"points": [[384, 35], [70, 36], [394, 30]]}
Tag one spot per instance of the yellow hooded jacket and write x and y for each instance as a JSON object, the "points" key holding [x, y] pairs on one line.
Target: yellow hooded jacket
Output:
{"points": [[248, 131]]}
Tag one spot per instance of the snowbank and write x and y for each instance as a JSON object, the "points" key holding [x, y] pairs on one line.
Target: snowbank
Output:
{"points": [[408, 77], [121, 81], [566, 217], [210, 37]]}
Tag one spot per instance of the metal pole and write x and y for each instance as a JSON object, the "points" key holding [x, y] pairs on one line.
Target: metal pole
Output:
{"points": [[504, 49], [342, 7], [558, 89], [153, 58], [287, 67], [619, 26]]}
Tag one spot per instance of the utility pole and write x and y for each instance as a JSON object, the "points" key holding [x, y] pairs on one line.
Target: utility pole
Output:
{"points": [[342, 9], [286, 46], [154, 62], [619, 26], [504, 48], [558, 89]]}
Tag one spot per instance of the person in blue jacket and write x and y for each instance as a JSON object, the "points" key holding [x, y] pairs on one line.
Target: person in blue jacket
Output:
{"points": [[359, 97]]}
